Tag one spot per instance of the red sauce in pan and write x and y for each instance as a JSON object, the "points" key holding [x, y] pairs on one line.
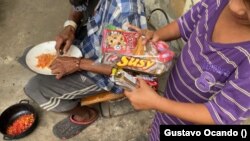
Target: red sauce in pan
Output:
{"points": [[20, 125]]}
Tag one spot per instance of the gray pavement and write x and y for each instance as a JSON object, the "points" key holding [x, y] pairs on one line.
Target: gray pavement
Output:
{"points": [[24, 23]]}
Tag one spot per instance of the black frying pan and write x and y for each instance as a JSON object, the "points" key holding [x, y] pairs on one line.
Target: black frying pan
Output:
{"points": [[12, 113]]}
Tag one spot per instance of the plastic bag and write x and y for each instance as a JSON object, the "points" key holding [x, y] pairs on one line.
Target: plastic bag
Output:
{"points": [[124, 49]]}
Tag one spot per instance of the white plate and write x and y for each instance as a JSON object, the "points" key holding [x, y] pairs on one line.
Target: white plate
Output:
{"points": [[47, 47]]}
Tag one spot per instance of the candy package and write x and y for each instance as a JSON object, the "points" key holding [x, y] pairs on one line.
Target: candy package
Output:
{"points": [[118, 41], [123, 79], [124, 49], [128, 80], [147, 65]]}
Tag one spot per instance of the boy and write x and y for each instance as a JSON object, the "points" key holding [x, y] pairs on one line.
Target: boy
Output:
{"points": [[210, 82]]}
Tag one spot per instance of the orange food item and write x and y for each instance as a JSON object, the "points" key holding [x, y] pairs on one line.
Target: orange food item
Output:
{"points": [[44, 60], [21, 124]]}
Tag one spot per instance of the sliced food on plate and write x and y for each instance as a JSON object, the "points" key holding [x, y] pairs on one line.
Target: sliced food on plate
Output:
{"points": [[45, 59], [40, 57]]}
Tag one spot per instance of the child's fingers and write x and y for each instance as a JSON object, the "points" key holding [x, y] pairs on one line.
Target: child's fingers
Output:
{"points": [[127, 93], [134, 28], [148, 34], [142, 83], [155, 39], [144, 42]]}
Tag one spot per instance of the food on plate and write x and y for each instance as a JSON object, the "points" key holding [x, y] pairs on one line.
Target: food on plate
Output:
{"points": [[21, 124], [44, 60]]}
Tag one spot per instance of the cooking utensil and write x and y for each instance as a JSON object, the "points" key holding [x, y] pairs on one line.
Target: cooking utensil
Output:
{"points": [[13, 113]]}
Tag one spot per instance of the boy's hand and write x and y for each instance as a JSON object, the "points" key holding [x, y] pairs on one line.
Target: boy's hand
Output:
{"points": [[143, 97], [64, 40], [148, 34]]}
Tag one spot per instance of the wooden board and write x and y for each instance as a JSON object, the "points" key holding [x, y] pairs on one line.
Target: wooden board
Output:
{"points": [[106, 96]]}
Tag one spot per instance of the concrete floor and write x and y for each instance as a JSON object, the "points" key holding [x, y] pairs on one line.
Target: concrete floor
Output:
{"points": [[24, 23]]}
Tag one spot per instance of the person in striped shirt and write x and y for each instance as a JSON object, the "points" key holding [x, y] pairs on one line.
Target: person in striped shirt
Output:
{"points": [[76, 78], [210, 82]]}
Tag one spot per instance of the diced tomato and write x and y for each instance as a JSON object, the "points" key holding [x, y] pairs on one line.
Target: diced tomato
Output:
{"points": [[20, 125]]}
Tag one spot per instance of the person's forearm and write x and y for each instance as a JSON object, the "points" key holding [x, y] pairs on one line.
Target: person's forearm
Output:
{"points": [[89, 65], [191, 112], [75, 16], [169, 32]]}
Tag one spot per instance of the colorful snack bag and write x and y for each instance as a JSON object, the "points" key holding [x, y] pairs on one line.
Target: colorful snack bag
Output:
{"points": [[124, 79], [118, 41], [128, 80], [148, 65], [124, 49]]}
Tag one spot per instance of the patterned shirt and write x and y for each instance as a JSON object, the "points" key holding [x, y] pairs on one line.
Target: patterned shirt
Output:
{"points": [[117, 13], [215, 74]]}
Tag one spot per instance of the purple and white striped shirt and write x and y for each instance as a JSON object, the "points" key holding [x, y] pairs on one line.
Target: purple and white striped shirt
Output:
{"points": [[215, 74]]}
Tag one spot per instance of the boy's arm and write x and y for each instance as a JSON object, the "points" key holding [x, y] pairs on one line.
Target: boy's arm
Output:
{"points": [[168, 32], [144, 97], [182, 27]]}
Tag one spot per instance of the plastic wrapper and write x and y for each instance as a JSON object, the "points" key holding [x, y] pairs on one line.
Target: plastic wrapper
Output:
{"points": [[124, 79], [141, 64], [124, 49], [128, 80]]}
